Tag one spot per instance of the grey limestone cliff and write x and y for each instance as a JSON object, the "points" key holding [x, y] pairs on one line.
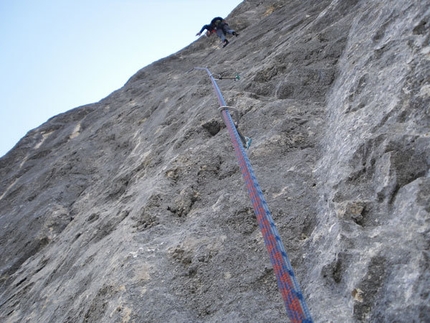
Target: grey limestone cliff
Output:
{"points": [[133, 209]]}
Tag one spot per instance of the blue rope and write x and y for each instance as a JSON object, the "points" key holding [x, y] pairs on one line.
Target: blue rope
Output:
{"points": [[294, 301]]}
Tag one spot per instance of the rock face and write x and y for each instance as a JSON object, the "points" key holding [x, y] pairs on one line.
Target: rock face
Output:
{"points": [[133, 209]]}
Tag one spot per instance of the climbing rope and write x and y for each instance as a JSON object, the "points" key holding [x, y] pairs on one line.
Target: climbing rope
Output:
{"points": [[294, 301]]}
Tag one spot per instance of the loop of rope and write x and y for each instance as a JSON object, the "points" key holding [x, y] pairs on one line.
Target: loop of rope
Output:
{"points": [[294, 301], [236, 113]]}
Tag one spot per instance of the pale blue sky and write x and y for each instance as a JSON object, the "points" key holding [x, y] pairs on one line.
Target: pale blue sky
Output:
{"points": [[56, 55]]}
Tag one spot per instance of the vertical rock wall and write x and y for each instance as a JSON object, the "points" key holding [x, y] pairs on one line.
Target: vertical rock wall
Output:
{"points": [[133, 209], [372, 227]]}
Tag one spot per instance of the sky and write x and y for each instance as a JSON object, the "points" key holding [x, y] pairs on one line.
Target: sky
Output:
{"points": [[56, 55]]}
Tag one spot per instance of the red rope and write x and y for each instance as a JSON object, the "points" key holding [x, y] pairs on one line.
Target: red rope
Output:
{"points": [[294, 301]]}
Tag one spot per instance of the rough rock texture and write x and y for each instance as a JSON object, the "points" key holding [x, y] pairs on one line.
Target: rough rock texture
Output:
{"points": [[133, 209]]}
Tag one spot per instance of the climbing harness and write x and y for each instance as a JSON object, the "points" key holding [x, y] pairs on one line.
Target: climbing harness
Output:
{"points": [[294, 301]]}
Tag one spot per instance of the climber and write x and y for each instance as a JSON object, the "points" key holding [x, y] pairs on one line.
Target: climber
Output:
{"points": [[220, 27]]}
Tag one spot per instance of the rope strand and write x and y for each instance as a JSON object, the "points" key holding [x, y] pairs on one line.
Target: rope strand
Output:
{"points": [[294, 301]]}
